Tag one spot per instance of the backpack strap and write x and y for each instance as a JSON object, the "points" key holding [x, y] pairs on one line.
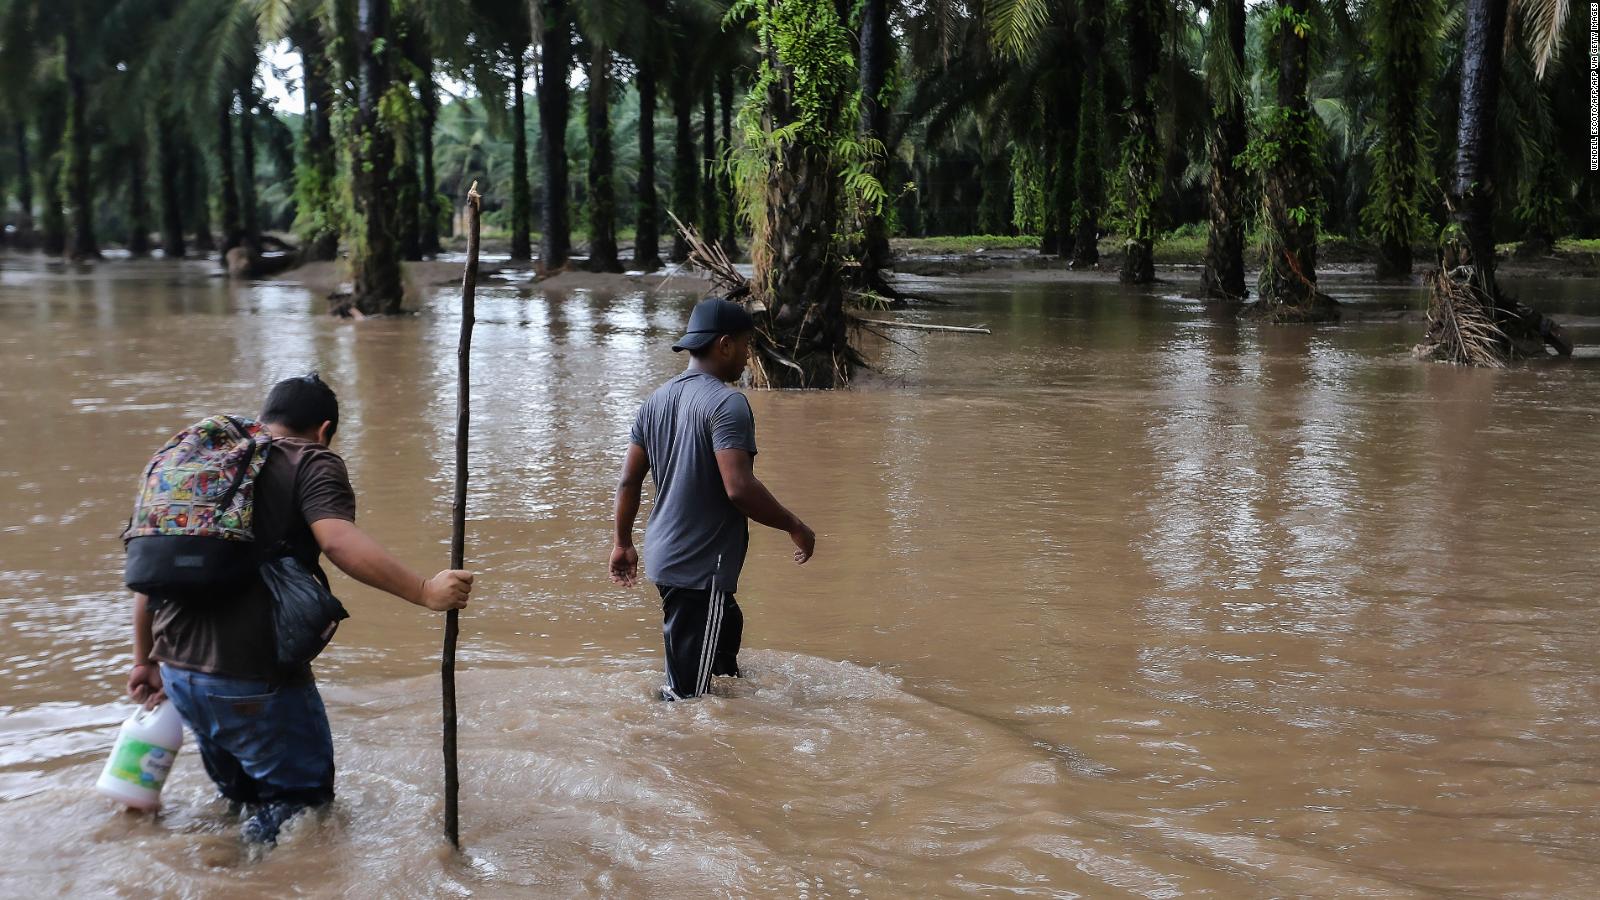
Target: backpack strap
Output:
{"points": [[244, 465]]}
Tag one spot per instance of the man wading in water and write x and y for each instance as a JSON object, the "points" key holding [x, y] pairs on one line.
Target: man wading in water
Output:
{"points": [[263, 733], [697, 436]]}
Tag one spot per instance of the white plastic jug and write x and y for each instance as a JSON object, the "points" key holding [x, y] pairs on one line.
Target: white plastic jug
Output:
{"points": [[143, 755]]}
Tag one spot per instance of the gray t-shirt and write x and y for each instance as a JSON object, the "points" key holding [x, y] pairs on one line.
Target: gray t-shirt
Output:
{"points": [[695, 536]]}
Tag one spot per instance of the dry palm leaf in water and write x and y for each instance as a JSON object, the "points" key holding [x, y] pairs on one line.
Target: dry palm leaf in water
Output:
{"points": [[1461, 323], [731, 283]]}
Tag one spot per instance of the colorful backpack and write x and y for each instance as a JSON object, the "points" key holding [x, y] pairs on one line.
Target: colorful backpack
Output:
{"points": [[191, 535]]}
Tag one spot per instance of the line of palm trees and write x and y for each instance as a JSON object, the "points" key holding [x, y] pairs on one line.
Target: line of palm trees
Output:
{"points": [[169, 88], [1273, 122]]}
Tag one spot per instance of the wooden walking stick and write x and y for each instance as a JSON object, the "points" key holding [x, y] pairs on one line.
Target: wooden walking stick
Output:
{"points": [[458, 517]]}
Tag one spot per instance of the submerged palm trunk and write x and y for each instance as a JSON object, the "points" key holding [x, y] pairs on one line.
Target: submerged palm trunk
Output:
{"points": [[80, 189], [24, 180], [797, 254], [521, 195], [1223, 275], [52, 212], [730, 208], [994, 205], [647, 220], [170, 168], [1140, 157], [375, 258], [1288, 289], [1470, 240], [196, 199], [407, 197], [602, 194], [1089, 191], [1404, 44], [685, 203], [555, 62], [429, 201], [228, 205], [1466, 298], [250, 238], [1050, 231], [138, 205], [710, 203], [803, 279], [877, 54]]}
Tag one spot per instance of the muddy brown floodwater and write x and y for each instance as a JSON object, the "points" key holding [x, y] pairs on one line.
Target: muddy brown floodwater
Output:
{"points": [[1126, 599]]}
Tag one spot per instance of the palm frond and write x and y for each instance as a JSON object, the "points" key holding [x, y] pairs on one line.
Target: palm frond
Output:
{"points": [[274, 18], [1224, 76], [1015, 25], [1541, 23]]}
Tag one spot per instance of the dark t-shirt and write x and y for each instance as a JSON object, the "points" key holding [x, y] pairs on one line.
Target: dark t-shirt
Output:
{"points": [[300, 483], [696, 538]]}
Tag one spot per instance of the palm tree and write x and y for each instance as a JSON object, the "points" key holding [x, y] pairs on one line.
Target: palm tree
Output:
{"points": [[169, 168], [602, 195], [685, 171], [80, 61], [249, 216], [1223, 275], [710, 201], [1288, 288], [472, 148], [877, 60], [317, 217], [1088, 158], [375, 258], [521, 193], [203, 68], [800, 154], [730, 206], [194, 198], [1470, 239], [19, 73], [649, 56], [1403, 36], [52, 124], [1141, 185], [1056, 104], [1467, 248], [228, 203], [419, 49], [554, 30], [138, 205], [24, 178]]}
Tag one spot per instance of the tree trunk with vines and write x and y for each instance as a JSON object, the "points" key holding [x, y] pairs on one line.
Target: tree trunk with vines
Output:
{"points": [[1223, 276], [375, 258], [1140, 160], [1288, 288]]}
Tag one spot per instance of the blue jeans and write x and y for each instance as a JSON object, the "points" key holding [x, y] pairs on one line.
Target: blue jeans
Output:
{"points": [[261, 744]]}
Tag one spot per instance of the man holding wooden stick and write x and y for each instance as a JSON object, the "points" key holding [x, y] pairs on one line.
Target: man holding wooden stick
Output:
{"points": [[262, 729], [696, 435]]}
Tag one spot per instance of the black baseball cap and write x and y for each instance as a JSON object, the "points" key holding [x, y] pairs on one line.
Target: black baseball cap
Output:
{"points": [[711, 318]]}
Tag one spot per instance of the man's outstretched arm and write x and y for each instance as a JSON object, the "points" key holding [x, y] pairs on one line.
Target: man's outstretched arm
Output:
{"points": [[624, 558], [364, 559], [754, 500]]}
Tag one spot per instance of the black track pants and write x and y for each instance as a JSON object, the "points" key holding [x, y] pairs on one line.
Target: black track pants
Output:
{"points": [[701, 629]]}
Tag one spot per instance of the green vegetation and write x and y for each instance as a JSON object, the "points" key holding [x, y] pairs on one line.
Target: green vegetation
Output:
{"points": [[965, 243], [1308, 120]]}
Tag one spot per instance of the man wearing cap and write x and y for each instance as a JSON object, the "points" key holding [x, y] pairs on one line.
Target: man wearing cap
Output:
{"points": [[697, 437]]}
